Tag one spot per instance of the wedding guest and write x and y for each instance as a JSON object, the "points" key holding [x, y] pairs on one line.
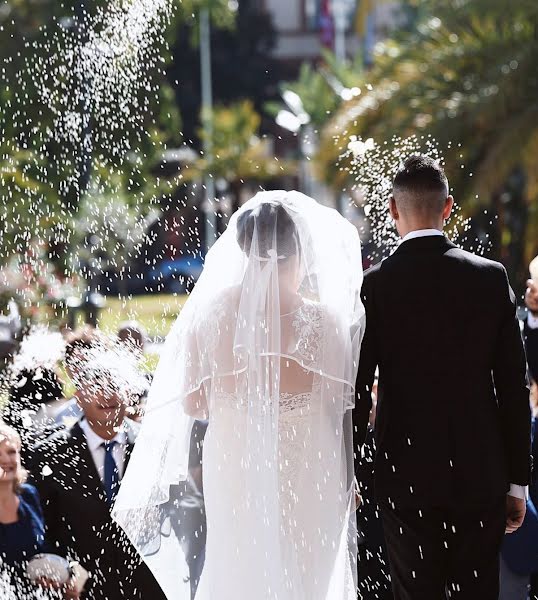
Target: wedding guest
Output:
{"points": [[8, 348], [186, 509], [78, 471], [530, 328], [39, 393], [77, 343], [132, 332], [33, 399], [35, 387], [530, 334], [10, 329], [22, 526], [134, 336], [533, 490], [519, 557], [194, 521]]}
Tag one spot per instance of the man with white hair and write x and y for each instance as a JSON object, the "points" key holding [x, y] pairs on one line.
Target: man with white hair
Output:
{"points": [[78, 471]]}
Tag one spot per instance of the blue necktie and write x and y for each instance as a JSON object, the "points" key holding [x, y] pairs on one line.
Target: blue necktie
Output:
{"points": [[111, 477]]}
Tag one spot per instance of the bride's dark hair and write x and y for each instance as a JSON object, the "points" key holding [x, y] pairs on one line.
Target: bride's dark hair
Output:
{"points": [[274, 227]]}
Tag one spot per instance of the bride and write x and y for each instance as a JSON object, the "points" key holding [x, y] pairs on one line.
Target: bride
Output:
{"points": [[266, 348]]}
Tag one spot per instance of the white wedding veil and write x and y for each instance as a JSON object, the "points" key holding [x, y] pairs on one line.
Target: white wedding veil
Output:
{"points": [[266, 347]]}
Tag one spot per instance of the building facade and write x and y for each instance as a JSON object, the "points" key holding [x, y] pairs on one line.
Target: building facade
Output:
{"points": [[304, 27]]}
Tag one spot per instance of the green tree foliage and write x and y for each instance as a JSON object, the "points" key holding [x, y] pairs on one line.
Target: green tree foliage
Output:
{"points": [[323, 88], [67, 130], [239, 153], [466, 75], [241, 62]]}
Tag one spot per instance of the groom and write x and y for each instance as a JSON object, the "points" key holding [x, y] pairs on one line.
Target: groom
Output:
{"points": [[453, 423]]}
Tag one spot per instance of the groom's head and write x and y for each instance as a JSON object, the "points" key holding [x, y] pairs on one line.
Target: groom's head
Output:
{"points": [[420, 196]]}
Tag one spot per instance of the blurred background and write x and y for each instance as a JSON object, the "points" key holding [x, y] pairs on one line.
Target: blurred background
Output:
{"points": [[130, 132]]}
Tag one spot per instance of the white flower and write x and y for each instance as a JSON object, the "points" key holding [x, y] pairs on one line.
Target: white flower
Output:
{"points": [[358, 147]]}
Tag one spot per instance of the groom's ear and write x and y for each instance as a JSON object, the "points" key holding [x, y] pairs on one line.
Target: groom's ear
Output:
{"points": [[393, 209], [449, 204]]}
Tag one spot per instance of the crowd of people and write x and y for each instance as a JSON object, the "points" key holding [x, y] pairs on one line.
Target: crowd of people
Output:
{"points": [[519, 559], [62, 459]]}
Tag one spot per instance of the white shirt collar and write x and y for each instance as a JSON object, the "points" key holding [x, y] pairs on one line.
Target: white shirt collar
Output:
{"points": [[95, 441], [421, 233]]}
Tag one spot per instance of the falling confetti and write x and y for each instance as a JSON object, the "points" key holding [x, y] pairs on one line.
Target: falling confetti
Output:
{"points": [[78, 134], [372, 169]]}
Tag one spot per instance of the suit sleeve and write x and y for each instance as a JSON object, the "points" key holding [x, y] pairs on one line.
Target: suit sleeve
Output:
{"points": [[509, 375], [365, 376], [531, 347]]}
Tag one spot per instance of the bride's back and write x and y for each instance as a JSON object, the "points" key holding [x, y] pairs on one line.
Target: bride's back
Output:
{"points": [[291, 370]]}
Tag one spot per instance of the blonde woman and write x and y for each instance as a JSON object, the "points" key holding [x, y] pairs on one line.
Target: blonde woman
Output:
{"points": [[22, 526]]}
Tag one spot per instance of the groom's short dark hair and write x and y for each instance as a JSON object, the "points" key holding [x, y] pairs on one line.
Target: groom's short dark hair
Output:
{"points": [[420, 184]]}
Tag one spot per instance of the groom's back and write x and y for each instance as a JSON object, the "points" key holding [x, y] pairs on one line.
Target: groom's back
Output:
{"points": [[444, 303], [441, 323]]}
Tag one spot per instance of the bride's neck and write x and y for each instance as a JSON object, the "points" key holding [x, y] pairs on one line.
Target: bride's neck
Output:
{"points": [[289, 301]]}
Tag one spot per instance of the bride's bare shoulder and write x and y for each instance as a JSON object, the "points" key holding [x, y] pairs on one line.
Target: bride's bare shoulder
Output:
{"points": [[220, 306], [229, 298]]}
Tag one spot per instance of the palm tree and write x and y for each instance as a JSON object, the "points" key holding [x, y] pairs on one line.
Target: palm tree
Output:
{"points": [[323, 87], [467, 76]]}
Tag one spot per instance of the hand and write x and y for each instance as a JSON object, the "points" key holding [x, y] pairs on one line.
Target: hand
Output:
{"points": [[70, 591], [515, 513], [47, 583], [357, 494], [531, 296], [534, 398]]}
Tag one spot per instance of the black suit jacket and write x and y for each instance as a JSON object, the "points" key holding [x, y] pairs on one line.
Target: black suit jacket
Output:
{"points": [[453, 420], [531, 345], [78, 521]]}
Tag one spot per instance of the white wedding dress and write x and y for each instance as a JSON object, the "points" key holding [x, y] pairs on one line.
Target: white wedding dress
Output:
{"points": [[266, 347], [290, 550]]}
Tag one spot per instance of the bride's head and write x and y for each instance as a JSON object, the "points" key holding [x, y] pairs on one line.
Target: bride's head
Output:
{"points": [[268, 230]]}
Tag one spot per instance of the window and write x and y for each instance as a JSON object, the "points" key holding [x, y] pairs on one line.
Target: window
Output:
{"points": [[312, 14]]}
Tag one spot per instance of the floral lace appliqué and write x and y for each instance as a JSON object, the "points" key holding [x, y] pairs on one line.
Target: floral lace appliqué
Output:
{"points": [[308, 323]]}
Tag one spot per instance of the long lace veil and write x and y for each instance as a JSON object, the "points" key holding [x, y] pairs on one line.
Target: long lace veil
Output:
{"points": [[266, 347]]}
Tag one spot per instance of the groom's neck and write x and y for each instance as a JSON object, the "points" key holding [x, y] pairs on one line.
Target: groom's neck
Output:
{"points": [[408, 227]]}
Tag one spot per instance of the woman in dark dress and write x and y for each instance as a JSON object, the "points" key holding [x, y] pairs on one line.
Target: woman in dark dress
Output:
{"points": [[22, 526]]}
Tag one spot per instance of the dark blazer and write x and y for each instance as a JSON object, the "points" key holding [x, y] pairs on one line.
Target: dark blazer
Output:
{"points": [[531, 346], [533, 489], [520, 549], [453, 420], [23, 539], [78, 521]]}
